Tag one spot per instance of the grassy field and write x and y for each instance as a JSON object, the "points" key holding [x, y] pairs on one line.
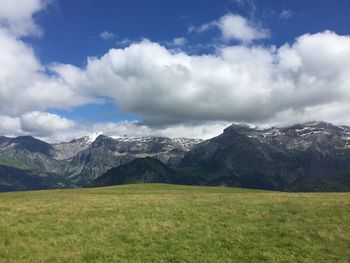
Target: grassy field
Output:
{"points": [[165, 223]]}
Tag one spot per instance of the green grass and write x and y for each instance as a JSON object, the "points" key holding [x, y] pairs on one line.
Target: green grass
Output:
{"points": [[164, 223]]}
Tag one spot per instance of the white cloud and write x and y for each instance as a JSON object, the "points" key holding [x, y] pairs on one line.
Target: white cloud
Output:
{"points": [[179, 41], [286, 14], [17, 16], [134, 129], [24, 84], [238, 84], [334, 112], [234, 27], [44, 124], [105, 35], [124, 42], [9, 126], [47, 126], [202, 28], [239, 28], [53, 128]]}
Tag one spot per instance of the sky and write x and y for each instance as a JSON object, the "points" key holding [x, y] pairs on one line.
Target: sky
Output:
{"points": [[170, 68]]}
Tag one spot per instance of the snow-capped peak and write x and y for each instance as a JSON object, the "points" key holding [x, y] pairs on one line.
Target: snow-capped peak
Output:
{"points": [[92, 137]]}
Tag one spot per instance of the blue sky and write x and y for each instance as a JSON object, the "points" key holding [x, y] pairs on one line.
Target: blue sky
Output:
{"points": [[170, 68], [75, 26]]}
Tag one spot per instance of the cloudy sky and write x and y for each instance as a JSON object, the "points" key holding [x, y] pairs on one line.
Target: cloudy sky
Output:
{"points": [[170, 68]]}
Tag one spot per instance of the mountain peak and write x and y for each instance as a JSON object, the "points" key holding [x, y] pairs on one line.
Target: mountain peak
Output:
{"points": [[91, 138], [319, 124], [240, 127], [26, 138], [315, 126], [32, 144], [102, 140]]}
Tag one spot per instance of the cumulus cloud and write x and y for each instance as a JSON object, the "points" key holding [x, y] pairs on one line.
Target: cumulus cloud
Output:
{"points": [[335, 112], [238, 84], [25, 85], [9, 126], [236, 27], [17, 16], [47, 126], [24, 82], [44, 124]]}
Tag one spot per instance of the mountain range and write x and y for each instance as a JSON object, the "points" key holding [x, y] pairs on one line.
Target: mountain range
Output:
{"points": [[80, 161], [313, 156]]}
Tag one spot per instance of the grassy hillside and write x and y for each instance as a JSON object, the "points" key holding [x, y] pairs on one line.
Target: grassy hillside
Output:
{"points": [[164, 223]]}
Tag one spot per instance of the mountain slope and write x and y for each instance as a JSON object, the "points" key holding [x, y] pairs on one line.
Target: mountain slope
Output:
{"points": [[143, 170], [27, 143], [291, 158], [67, 150], [26, 152], [14, 179], [107, 152]]}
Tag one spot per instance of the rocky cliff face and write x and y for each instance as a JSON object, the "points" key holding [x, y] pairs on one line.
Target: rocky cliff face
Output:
{"points": [[67, 150]]}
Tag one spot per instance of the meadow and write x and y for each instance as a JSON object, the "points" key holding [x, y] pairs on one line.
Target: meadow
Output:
{"points": [[167, 223]]}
